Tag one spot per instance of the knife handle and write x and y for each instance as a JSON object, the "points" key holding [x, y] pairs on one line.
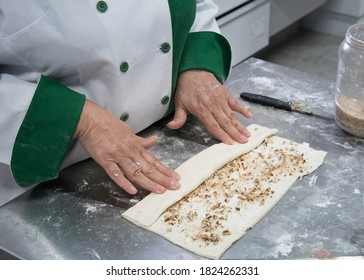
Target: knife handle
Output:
{"points": [[266, 101]]}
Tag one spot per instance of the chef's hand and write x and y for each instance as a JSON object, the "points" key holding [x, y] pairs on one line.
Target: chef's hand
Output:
{"points": [[121, 153], [200, 93]]}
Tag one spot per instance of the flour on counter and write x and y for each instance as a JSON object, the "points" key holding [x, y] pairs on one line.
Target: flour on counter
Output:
{"points": [[313, 180], [346, 145], [325, 203], [93, 208], [83, 185], [357, 191], [263, 83], [291, 120], [285, 246]]}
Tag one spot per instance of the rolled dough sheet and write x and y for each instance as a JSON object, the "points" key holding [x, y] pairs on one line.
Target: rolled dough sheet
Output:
{"points": [[194, 172], [225, 190]]}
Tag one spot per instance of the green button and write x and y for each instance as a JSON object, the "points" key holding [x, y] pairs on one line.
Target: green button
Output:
{"points": [[124, 117], [101, 6], [165, 47], [165, 100], [124, 66]]}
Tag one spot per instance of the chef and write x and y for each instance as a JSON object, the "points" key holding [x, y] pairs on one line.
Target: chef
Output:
{"points": [[81, 78]]}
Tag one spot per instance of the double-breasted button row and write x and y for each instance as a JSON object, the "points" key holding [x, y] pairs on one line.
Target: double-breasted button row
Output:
{"points": [[124, 66], [164, 101], [102, 7]]}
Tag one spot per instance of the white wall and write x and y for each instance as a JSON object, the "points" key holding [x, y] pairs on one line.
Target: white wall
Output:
{"points": [[286, 12], [250, 24], [335, 17]]}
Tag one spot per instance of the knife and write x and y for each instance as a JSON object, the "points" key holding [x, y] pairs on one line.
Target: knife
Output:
{"points": [[280, 104]]}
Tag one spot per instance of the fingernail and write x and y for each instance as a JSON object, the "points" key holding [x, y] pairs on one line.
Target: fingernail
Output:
{"points": [[132, 190], [174, 185], [243, 140], [176, 176], [229, 142], [160, 189]]}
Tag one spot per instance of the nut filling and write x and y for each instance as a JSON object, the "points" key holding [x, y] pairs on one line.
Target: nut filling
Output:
{"points": [[231, 190], [349, 114]]}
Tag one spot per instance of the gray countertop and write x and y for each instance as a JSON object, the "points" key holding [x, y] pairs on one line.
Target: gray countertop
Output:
{"points": [[78, 216]]}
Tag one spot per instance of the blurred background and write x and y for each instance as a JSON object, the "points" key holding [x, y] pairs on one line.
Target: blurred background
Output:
{"points": [[301, 34]]}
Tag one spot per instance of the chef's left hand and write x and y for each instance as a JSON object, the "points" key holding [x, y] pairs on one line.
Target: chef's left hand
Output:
{"points": [[201, 94]]}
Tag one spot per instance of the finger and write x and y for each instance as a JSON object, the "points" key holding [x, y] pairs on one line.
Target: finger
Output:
{"points": [[179, 118], [114, 172], [214, 128], [228, 125], [152, 160], [235, 106], [237, 124], [148, 142], [160, 166], [153, 174], [134, 172]]}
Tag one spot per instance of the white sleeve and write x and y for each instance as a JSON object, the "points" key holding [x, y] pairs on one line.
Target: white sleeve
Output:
{"points": [[206, 11], [15, 97]]}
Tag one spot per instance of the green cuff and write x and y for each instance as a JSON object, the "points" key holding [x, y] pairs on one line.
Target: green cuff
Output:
{"points": [[207, 51], [46, 132]]}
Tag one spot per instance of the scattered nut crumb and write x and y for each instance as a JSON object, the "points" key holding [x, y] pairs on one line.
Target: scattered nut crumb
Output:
{"points": [[231, 189]]}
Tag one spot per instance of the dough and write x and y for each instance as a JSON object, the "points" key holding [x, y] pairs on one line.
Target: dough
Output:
{"points": [[225, 190], [194, 172]]}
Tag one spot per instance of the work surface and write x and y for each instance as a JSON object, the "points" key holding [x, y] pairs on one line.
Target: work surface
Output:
{"points": [[78, 216]]}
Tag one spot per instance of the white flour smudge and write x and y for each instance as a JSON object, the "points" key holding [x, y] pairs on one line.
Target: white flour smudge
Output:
{"points": [[83, 185], [324, 204], [313, 180], [284, 247], [291, 119], [92, 208], [357, 191], [263, 83], [346, 145]]}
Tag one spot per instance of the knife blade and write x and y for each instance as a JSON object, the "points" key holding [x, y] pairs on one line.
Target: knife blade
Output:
{"points": [[280, 104]]}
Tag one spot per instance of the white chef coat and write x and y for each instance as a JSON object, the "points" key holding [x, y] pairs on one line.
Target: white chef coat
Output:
{"points": [[119, 54]]}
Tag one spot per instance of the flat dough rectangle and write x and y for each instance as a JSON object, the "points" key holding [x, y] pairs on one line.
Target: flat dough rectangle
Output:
{"points": [[225, 190]]}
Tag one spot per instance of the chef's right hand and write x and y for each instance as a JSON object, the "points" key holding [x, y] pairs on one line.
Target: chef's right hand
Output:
{"points": [[121, 153]]}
